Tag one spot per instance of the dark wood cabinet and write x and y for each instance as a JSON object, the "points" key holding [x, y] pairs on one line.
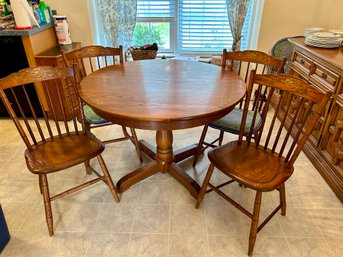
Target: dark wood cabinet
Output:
{"points": [[323, 68]]}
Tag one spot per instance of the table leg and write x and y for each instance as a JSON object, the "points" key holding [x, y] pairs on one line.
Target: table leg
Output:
{"points": [[164, 153], [139, 174], [164, 161]]}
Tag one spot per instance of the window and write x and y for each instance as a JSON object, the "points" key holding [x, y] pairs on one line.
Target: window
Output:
{"points": [[187, 26], [155, 23]]}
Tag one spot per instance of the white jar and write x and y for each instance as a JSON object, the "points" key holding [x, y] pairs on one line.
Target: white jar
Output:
{"points": [[62, 29]]}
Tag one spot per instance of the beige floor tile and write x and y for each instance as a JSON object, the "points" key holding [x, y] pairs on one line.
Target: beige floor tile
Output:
{"points": [[188, 245], [330, 221], [35, 219], [28, 244], [152, 219], [336, 245], [299, 223], [185, 219], [25, 191], [68, 244], [306, 174], [309, 247], [115, 218], [80, 217], [93, 194], [224, 219], [180, 195], [15, 213], [5, 189], [8, 151], [148, 245], [293, 196], [270, 247], [154, 193], [108, 245], [228, 246], [272, 228], [128, 197], [319, 197]]}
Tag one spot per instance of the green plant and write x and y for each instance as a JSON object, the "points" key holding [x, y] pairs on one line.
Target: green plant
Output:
{"points": [[146, 33]]}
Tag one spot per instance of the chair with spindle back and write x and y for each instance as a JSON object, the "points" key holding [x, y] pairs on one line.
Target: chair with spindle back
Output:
{"points": [[52, 144], [240, 62], [89, 59], [265, 163]]}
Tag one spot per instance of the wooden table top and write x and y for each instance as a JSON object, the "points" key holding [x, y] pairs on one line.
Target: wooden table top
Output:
{"points": [[162, 94]]}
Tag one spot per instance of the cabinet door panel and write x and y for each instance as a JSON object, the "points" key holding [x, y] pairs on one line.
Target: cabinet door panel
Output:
{"points": [[315, 137], [324, 76], [302, 62], [332, 143]]}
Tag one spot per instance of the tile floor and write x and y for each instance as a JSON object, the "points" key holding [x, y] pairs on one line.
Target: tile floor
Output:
{"points": [[157, 216]]}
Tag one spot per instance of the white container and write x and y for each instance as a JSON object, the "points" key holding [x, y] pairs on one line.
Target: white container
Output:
{"points": [[23, 14], [62, 29]]}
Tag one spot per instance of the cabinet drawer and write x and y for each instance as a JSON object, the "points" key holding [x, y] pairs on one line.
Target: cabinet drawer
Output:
{"points": [[324, 76], [302, 62]]}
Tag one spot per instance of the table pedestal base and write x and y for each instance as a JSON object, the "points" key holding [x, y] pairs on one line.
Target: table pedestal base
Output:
{"points": [[164, 161]]}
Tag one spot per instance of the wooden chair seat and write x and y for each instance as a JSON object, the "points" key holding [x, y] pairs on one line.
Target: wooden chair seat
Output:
{"points": [[232, 122], [251, 166], [71, 150]]}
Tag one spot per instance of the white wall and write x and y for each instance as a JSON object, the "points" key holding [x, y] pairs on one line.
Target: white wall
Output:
{"points": [[337, 16], [77, 12], [283, 18]]}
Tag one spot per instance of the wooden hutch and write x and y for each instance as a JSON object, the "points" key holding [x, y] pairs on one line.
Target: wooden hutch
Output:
{"points": [[323, 68]]}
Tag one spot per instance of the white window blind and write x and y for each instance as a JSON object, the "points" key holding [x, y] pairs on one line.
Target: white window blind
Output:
{"points": [[196, 26], [203, 26], [155, 9]]}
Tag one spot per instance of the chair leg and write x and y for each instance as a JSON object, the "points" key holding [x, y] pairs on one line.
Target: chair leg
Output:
{"points": [[134, 140], [88, 167], [40, 184], [87, 163], [136, 143], [254, 222], [200, 144], [47, 203], [108, 178], [204, 186], [87, 128], [283, 199], [221, 137]]}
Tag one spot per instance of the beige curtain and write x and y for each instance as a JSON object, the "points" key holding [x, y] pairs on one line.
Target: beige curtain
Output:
{"points": [[237, 11], [118, 18]]}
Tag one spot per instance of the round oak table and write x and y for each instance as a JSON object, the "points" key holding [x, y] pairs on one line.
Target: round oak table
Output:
{"points": [[162, 95]]}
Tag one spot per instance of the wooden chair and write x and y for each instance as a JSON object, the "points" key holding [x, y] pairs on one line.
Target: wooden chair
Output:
{"points": [[52, 144], [265, 164], [89, 59], [284, 49], [241, 62]]}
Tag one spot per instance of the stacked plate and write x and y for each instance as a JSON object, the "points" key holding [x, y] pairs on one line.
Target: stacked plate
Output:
{"points": [[309, 31], [337, 31], [324, 40]]}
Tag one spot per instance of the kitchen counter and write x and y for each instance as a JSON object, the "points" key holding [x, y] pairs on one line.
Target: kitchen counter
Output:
{"points": [[26, 32]]}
